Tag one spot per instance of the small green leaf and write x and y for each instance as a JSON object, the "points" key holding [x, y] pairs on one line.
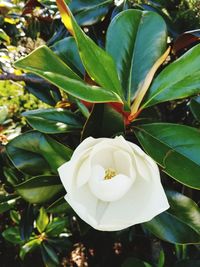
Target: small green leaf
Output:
{"points": [[4, 36], [29, 247], [56, 227], [26, 222], [59, 206], [175, 147], [144, 37], [12, 235], [42, 220], [40, 189], [49, 255], [53, 121], [7, 204], [195, 107], [35, 153], [179, 79], [15, 216]]}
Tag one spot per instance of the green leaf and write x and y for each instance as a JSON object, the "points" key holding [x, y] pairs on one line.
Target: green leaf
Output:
{"points": [[178, 80], [195, 107], [59, 206], [49, 256], [93, 12], [15, 216], [130, 262], [42, 220], [180, 224], [4, 36], [169, 228], [185, 209], [7, 204], [67, 50], [56, 227], [12, 235], [40, 189], [135, 40], [44, 60], [104, 121], [98, 64], [35, 153], [26, 222], [175, 147], [29, 247], [46, 64], [53, 121]]}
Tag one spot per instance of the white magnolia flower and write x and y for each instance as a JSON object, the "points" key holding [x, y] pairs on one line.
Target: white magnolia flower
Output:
{"points": [[112, 184]]}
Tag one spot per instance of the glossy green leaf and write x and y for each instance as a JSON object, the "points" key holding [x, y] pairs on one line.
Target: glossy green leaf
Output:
{"points": [[175, 147], [35, 153], [135, 39], [4, 36], [180, 224], [130, 262], [56, 227], [46, 92], [40, 189], [49, 256], [29, 247], [185, 209], [45, 63], [104, 121], [15, 216], [59, 206], [178, 80], [67, 50], [195, 107], [53, 121], [26, 222], [42, 220], [98, 64], [12, 235], [92, 13]]}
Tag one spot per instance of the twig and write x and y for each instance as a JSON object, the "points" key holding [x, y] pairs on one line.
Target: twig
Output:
{"points": [[19, 78]]}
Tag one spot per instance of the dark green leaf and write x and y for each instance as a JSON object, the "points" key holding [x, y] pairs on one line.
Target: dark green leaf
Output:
{"points": [[133, 262], [53, 121], [12, 235], [42, 220], [49, 256], [35, 153], [26, 222], [59, 206], [56, 227], [40, 189], [169, 228], [178, 80], [175, 147], [185, 209], [67, 50], [7, 204], [195, 107], [15, 216], [29, 247], [104, 121], [135, 39]]}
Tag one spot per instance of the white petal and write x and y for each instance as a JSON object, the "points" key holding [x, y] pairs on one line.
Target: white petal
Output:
{"points": [[108, 190], [84, 172], [144, 200], [124, 164]]}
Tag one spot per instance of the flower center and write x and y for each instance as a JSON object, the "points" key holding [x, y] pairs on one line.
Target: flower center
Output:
{"points": [[109, 174]]}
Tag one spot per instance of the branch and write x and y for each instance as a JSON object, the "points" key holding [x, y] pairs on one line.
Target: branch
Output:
{"points": [[19, 78]]}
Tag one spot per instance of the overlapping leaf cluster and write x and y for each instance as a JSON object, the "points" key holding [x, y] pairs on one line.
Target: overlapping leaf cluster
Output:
{"points": [[94, 94]]}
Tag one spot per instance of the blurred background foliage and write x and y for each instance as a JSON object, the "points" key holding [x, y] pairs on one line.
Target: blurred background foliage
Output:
{"points": [[30, 234]]}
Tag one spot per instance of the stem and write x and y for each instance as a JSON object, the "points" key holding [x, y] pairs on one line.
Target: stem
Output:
{"points": [[20, 78]]}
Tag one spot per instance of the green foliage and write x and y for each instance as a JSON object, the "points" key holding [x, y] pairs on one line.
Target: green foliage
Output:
{"points": [[91, 80]]}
